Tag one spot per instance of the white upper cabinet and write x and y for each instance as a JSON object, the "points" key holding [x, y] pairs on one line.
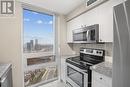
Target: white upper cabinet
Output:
{"points": [[69, 33], [70, 27], [102, 15]]}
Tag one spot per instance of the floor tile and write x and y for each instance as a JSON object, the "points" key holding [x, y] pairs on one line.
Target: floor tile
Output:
{"points": [[54, 84]]}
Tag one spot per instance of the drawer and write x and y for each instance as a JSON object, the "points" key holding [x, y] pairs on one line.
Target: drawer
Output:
{"points": [[101, 79]]}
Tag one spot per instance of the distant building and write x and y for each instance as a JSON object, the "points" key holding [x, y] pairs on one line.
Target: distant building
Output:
{"points": [[32, 45], [36, 41], [37, 46], [28, 46]]}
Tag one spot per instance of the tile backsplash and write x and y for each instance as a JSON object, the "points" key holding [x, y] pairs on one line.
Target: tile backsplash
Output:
{"points": [[106, 46]]}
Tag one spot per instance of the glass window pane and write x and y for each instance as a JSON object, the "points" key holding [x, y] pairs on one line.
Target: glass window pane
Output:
{"points": [[43, 74], [38, 37], [39, 48]]}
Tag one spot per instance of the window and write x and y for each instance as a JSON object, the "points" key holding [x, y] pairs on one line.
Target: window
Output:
{"points": [[38, 75], [39, 47], [38, 38]]}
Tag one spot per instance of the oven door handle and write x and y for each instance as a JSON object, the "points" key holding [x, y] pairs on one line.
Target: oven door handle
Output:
{"points": [[84, 71]]}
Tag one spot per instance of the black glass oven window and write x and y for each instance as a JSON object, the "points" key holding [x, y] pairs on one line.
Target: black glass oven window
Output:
{"points": [[92, 35], [80, 36], [76, 76]]}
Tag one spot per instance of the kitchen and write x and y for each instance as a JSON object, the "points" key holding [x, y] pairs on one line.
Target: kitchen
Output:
{"points": [[89, 43]]}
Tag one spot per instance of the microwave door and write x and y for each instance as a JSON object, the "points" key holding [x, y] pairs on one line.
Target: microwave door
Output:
{"points": [[92, 35], [78, 37]]}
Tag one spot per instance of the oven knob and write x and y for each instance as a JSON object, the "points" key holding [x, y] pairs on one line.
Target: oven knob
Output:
{"points": [[97, 52], [100, 52]]}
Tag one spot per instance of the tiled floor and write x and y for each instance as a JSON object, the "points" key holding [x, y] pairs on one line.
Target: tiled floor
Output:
{"points": [[54, 84]]}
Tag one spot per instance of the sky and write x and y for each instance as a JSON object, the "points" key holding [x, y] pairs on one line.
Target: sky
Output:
{"points": [[38, 26]]}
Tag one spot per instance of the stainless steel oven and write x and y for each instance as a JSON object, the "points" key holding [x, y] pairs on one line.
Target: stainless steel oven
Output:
{"points": [[76, 77], [89, 34], [78, 73]]}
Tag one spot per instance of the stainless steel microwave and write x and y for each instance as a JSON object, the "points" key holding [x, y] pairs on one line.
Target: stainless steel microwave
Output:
{"points": [[89, 34]]}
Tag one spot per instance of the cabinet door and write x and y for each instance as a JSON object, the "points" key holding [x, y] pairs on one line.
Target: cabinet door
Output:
{"points": [[69, 33], [105, 21], [97, 84], [99, 80], [72, 25]]}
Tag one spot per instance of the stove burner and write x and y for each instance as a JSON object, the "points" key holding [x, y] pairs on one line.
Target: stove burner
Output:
{"points": [[86, 63]]}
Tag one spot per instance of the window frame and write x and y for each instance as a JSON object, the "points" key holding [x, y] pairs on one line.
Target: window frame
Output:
{"points": [[54, 31], [55, 48]]}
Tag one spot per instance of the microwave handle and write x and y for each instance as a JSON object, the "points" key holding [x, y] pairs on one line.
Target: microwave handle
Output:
{"points": [[88, 35]]}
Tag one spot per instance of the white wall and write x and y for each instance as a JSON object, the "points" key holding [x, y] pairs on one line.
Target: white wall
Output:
{"points": [[10, 44], [11, 29], [65, 49]]}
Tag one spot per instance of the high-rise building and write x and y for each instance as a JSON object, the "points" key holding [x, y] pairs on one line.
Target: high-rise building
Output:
{"points": [[36, 44], [28, 46], [32, 45], [36, 41]]}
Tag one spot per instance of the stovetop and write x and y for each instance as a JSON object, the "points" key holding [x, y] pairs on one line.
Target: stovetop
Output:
{"points": [[87, 58], [76, 61]]}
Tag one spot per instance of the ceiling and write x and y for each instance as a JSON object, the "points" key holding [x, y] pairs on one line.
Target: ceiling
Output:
{"points": [[57, 6]]}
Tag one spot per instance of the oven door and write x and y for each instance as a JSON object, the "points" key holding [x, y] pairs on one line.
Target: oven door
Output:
{"points": [[76, 77]]}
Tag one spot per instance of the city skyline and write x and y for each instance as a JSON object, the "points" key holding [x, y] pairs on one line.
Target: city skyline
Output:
{"points": [[34, 46], [38, 26]]}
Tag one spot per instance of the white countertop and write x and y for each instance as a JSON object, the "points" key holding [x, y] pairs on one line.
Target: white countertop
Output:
{"points": [[104, 68], [68, 56]]}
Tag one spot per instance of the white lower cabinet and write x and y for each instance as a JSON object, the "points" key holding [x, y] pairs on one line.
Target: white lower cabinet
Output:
{"points": [[99, 80]]}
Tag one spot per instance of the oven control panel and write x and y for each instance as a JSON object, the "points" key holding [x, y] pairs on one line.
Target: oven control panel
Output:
{"points": [[97, 52]]}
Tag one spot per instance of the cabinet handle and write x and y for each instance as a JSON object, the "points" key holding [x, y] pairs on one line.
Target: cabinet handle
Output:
{"points": [[100, 40]]}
